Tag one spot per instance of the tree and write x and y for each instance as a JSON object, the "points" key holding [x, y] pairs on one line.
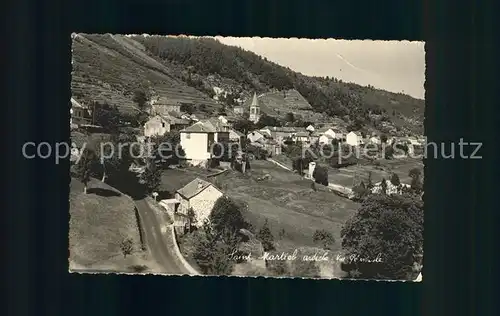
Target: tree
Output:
{"points": [[140, 98], [383, 186], [167, 149], [127, 246], [84, 167], [266, 120], [227, 214], [277, 267], [395, 180], [106, 115], [385, 237], [150, 178], [320, 175], [360, 191], [244, 126], [191, 215], [305, 269], [266, 237], [383, 138], [416, 180], [212, 252], [289, 117], [324, 238], [369, 185]]}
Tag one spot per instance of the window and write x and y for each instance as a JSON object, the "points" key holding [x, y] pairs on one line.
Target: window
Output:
{"points": [[163, 124], [188, 135]]}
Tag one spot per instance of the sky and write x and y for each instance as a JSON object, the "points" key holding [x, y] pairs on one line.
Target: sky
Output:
{"points": [[396, 66]]}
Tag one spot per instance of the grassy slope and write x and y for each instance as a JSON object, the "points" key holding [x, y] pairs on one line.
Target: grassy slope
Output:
{"points": [[97, 226]]}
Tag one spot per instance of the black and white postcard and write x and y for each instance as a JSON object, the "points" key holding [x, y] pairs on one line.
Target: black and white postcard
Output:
{"points": [[271, 157]]}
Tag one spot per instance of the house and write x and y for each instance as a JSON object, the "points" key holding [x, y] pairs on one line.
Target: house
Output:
{"points": [[198, 195], [162, 105], [333, 132], [197, 140], [158, 125], [302, 136], [326, 139], [79, 113], [354, 138], [236, 136], [239, 110], [279, 133], [375, 140], [310, 128], [390, 188], [255, 136]]}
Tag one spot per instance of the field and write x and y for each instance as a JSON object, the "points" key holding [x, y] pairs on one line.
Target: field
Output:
{"points": [[287, 201], [100, 221]]}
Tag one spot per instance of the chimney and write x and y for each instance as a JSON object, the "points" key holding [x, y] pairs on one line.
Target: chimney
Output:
{"points": [[200, 184]]}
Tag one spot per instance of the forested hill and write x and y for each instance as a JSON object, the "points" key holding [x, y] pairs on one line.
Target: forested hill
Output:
{"points": [[205, 63]]}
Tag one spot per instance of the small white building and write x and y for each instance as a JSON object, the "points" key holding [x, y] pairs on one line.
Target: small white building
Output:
{"points": [[310, 128], [312, 166], [354, 138], [199, 195], [325, 139], [375, 140], [78, 113], [255, 136]]}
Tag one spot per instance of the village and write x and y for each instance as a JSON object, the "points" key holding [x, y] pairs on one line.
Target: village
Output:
{"points": [[294, 197]]}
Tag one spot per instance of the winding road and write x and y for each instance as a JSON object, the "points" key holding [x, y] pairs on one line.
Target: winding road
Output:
{"points": [[156, 240]]}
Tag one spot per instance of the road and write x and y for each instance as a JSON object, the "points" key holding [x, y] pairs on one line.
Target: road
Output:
{"points": [[155, 240]]}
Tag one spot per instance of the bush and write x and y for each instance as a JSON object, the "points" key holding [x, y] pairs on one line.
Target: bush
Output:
{"points": [[320, 175], [324, 238]]}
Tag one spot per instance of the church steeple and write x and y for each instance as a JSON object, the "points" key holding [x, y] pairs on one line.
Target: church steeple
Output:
{"points": [[254, 109]]}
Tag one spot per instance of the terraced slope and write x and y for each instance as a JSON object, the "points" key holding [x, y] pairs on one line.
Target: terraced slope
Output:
{"points": [[108, 68]]}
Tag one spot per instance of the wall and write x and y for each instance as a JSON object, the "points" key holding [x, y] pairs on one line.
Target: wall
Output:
{"points": [[203, 203], [195, 146], [155, 127]]}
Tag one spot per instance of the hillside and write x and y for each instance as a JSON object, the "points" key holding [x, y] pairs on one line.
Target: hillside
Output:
{"points": [[100, 221], [189, 70]]}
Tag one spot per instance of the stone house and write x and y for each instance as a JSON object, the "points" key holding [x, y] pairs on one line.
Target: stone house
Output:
{"points": [[200, 196], [79, 113], [158, 125]]}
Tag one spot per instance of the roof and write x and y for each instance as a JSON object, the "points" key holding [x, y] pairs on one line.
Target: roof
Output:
{"points": [[76, 104], [357, 133], [285, 129], [255, 102], [237, 132], [302, 134], [194, 188], [327, 136], [199, 127], [174, 120]]}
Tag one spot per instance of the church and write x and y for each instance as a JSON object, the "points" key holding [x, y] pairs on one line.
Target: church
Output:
{"points": [[254, 109]]}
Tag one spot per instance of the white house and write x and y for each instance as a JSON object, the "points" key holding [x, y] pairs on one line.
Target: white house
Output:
{"points": [[78, 113], [301, 136], [235, 136], [325, 139], [223, 119], [310, 128], [197, 140], [200, 196], [255, 136], [354, 138], [375, 140], [390, 188]]}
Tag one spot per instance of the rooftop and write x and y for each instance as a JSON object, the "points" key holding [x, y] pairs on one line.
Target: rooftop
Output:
{"points": [[193, 188]]}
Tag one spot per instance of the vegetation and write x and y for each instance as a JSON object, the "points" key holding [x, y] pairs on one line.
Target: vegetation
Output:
{"points": [[305, 269], [395, 180], [127, 246], [227, 214], [320, 175], [266, 237], [252, 72], [324, 238], [385, 237], [151, 177], [84, 167]]}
